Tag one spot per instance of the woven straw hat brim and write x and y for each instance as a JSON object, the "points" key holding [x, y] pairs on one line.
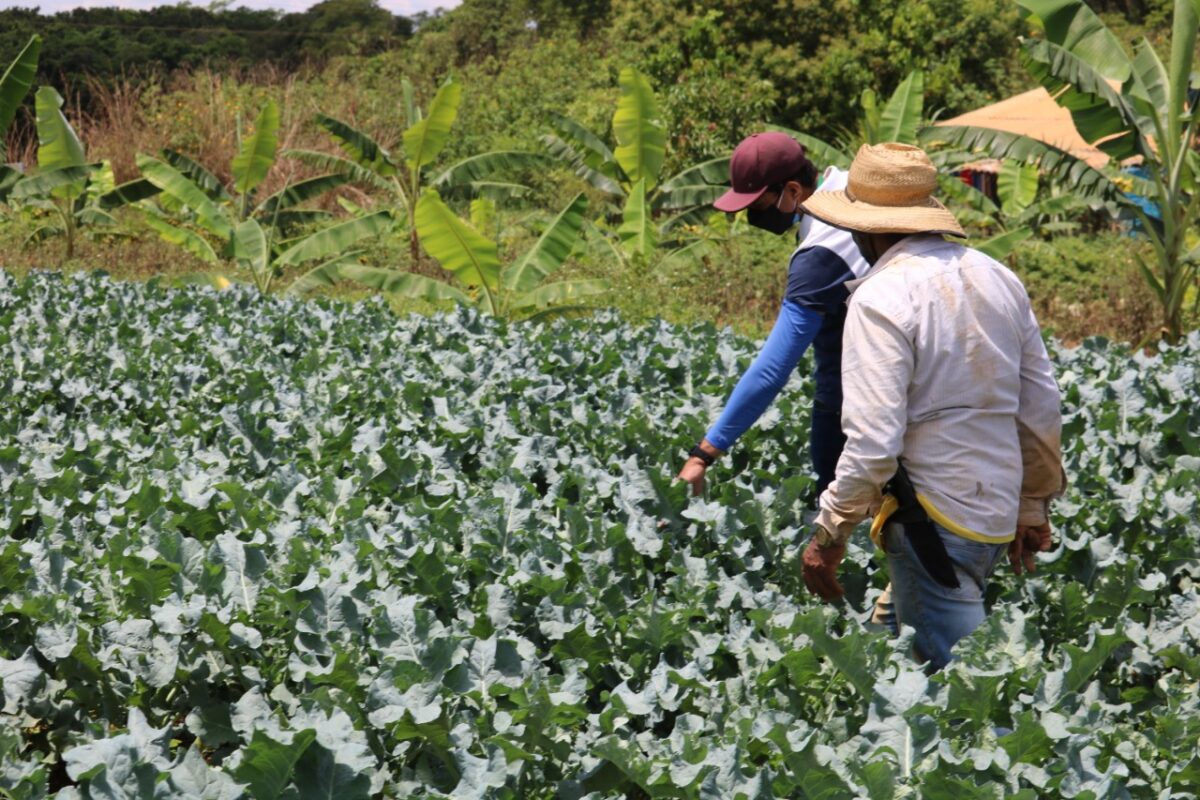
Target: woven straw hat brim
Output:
{"points": [[837, 209]]}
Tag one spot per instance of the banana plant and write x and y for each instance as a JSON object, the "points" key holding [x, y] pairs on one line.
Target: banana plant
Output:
{"points": [[901, 119], [1128, 105], [368, 163], [77, 194], [224, 228], [630, 173], [474, 261], [1026, 210]]}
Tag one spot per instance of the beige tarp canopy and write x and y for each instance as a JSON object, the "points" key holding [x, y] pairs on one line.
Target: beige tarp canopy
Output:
{"points": [[1036, 115]]}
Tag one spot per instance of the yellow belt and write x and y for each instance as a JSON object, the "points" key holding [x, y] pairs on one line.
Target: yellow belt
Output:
{"points": [[891, 504]]}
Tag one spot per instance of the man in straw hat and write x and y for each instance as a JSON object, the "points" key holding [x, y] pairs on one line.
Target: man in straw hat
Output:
{"points": [[950, 408]]}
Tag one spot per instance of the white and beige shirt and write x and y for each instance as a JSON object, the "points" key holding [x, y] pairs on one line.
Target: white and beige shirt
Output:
{"points": [[943, 365]]}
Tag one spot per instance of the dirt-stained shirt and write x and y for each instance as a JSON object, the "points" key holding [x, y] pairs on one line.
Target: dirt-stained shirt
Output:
{"points": [[943, 366]]}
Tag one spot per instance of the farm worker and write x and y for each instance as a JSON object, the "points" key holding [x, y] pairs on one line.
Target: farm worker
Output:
{"points": [[771, 176], [951, 410]]}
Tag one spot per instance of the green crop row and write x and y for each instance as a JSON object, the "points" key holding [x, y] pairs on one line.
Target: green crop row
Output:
{"points": [[271, 548]]}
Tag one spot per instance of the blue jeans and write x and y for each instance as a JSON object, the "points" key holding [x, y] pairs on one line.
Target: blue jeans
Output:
{"points": [[940, 615]]}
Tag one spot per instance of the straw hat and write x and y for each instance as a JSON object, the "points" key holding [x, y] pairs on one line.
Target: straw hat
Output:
{"points": [[890, 190]]}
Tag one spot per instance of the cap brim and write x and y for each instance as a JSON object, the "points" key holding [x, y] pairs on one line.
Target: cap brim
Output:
{"points": [[837, 209], [732, 201]]}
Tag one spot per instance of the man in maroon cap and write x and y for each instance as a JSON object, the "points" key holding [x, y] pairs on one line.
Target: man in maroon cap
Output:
{"points": [[771, 176]]}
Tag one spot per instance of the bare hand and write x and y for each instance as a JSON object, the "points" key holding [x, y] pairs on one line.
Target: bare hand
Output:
{"points": [[693, 472], [820, 570], [1030, 540]]}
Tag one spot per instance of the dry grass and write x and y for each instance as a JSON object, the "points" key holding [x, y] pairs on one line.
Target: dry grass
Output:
{"points": [[1127, 311], [202, 113], [138, 257]]}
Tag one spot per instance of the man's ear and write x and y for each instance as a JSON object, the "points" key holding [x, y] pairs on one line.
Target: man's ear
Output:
{"points": [[795, 192]]}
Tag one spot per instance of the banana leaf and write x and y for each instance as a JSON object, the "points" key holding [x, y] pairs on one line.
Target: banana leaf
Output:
{"points": [[90, 215], [343, 166], [250, 246], [559, 293], [423, 141], [1017, 186], [714, 172], [327, 274], [412, 111], [190, 241], [1058, 165], [127, 194], [1149, 89], [287, 221], [406, 284], [355, 210], [9, 177], [362, 149], [901, 117], [335, 239], [44, 184], [41, 234], [697, 216], [697, 186], [641, 134], [459, 248], [551, 250], [300, 192], [257, 154], [492, 190], [1071, 24], [562, 151], [16, 82], [485, 165], [869, 126], [209, 183], [954, 189], [390, 281], [1102, 115], [1184, 27], [175, 184], [637, 232], [591, 147], [58, 146], [1000, 246]]}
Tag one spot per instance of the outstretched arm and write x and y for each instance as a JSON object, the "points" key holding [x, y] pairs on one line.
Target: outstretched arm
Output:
{"points": [[794, 330]]}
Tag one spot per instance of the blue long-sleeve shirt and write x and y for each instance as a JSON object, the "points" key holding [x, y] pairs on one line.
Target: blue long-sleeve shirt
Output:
{"points": [[795, 328], [812, 314]]}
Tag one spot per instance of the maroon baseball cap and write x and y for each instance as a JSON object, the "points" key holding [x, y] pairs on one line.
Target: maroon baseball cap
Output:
{"points": [[760, 161]]}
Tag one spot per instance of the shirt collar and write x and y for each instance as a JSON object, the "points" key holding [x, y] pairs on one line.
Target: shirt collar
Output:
{"points": [[914, 245]]}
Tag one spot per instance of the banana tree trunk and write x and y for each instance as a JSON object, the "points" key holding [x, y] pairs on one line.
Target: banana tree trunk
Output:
{"points": [[414, 248], [68, 219]]}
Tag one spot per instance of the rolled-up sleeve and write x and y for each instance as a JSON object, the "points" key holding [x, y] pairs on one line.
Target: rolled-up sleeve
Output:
{"points": [[877, 367], [1039, 430]]}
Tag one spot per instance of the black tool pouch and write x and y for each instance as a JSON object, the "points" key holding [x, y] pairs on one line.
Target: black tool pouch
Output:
{"points": [[918, 527]]}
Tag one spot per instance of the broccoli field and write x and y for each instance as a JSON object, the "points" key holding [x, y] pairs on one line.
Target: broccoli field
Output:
{"points": [[279, 549]]}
